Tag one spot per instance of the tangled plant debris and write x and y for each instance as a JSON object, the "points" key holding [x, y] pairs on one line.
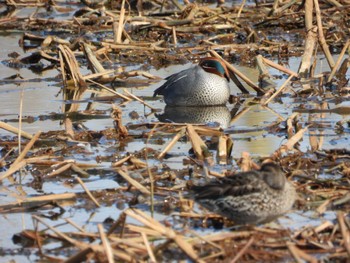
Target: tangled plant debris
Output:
{"points": [[106, 50]]}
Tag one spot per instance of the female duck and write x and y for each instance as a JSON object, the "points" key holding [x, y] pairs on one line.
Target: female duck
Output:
{"points": [[205, 84], [253, 197]]}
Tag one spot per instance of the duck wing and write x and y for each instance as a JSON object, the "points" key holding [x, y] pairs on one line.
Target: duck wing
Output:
{"points": [[236, 185], [173, 80]]}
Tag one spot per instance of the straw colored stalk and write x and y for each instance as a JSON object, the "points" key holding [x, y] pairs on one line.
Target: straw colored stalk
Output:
{"points": [[149, 232], [279, 67], [321, 37], [299, 255], [60, 170], [14, 130], [106, 245], [70, 66], [243, 250], [310, 44], [12, 170], [245, 162], [87, 191], [344, 231], [133, 182], [119, 29], [164, 231], [108, 89], [35, 201], [171, 144], [139, 100], [149, 249], [199, 147], [291, 142], [341, 55], [239, 115], [95, 65], [238, 73], [81, 245], [80, 256], [317, 229], [27, 148], [278, 91], [206, 131], [290, 124]]}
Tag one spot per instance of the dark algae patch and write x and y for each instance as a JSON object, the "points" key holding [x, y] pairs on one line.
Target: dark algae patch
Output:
{"points": [[94, 168]]}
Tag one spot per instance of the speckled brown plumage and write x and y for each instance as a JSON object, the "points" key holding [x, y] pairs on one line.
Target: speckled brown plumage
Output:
{"points": [[252, 197]]}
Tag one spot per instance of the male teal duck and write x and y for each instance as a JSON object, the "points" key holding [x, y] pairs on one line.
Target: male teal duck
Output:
{"points": [[205, 84], [253, 197]]}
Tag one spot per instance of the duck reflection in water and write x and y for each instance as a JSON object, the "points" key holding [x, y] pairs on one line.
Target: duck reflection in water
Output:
{"points": [[197, 115]]}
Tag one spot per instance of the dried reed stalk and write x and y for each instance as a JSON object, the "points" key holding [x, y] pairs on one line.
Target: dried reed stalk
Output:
{"points": [[27, 148], [344, 229], [238, 73], [65, 166], [140, 100], [12, 170], [35, 201], [171, 144], [118, 37], [93, 199], [341, 55], [149, 249], [199, 147], [243, 250], [106, 244], [321, 37], [291, 142], [164, 231], [279, 67], [133, 182], [14, 130], [278, 91]]}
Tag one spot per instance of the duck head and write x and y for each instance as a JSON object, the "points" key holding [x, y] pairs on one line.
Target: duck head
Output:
{"points": [[215, 66], [273, 175]]}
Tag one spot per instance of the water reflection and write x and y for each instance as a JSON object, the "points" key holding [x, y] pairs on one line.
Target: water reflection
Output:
{"points": [[197, 115]]}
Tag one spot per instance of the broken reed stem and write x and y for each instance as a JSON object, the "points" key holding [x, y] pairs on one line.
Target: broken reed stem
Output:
{"points": [[291, 142], [150, 174], [321, 37], [238, 73], [295, 252], [110, 90], [140, 100], [60, 170], [27, 148], [60, 234], [12, 170], [133, 182], [341, 55], [344, 231], [20, 121], [243, 250], [148, 247], [15, 130], [88, 191], [171, 144], [174, 36], [164, 231], [240, 9], [279, 67], [306, 59], [278, 91], [118, 38], [105, 243]]}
